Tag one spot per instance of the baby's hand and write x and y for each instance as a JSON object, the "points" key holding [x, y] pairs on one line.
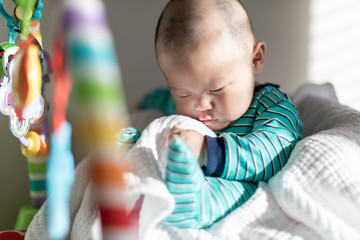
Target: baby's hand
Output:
{"points": [[193, 139]]}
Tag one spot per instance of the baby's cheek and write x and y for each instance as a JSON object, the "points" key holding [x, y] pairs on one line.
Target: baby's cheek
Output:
{"points": [[185, 109], [234, 107]]}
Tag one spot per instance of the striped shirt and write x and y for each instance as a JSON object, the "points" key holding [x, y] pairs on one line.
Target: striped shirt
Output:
{"points": [[259, 143]]}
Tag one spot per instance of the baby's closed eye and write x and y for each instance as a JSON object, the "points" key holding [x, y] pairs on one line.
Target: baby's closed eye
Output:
{"points": [[184, 96], [217, 90]]}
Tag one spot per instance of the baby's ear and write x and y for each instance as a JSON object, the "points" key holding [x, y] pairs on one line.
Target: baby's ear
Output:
{"points": [[259, 53]]}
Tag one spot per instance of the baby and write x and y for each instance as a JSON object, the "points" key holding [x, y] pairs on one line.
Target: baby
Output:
{"points": [[207, 52]]}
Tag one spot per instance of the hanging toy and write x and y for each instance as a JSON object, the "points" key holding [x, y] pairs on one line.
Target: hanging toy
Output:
{"points": [[27, 81], [20, 93], [25, 12], [21, 96], [18, 127]]}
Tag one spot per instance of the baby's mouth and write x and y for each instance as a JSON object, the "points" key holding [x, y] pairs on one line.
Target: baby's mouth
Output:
{"points": [[208, 122]]}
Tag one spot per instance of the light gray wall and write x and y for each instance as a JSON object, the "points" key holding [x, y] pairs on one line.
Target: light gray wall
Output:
{"points": [[282, 24], [133, 23]]}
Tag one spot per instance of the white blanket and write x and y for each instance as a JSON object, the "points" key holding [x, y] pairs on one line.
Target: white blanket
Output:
{"points": [[316, 195]]}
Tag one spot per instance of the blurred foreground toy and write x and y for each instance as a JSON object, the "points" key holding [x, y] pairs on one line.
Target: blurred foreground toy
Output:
{"points": [[60, 169], [60, 177], [99, 100]]}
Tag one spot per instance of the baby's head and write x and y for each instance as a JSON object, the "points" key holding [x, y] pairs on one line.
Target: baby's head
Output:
{"points": [[207, 52]]}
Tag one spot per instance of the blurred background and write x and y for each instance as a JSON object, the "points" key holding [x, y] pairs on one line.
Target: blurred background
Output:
{"points": [[313, 41]]}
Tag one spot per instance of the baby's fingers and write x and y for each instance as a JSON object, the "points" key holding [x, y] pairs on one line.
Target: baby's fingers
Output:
{"points": [[170, 137], [175, 129]]}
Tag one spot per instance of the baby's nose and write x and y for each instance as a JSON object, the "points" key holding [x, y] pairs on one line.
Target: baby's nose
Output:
{"points": [[203, 104]]}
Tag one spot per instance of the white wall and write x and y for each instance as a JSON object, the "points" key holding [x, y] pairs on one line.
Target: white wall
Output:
{"points": [[284, 25], [334, 49]]}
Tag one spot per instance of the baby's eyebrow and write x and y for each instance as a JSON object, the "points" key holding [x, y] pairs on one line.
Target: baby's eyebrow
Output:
{"points": [[220, 81], [178, 89]]}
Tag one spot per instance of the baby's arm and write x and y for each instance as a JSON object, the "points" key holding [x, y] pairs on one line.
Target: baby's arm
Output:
{"points": [[259, 155]]}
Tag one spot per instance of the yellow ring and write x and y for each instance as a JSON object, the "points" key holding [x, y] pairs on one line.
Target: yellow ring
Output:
{"points": [[34, 145]]}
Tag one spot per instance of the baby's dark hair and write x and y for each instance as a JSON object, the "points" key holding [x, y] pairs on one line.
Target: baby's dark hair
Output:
{"points": [[180, 22]]}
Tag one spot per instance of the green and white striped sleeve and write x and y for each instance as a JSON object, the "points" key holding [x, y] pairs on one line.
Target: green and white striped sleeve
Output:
{"points": [[260, 154]]}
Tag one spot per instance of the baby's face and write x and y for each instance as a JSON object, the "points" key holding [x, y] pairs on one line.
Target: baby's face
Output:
{"points": [[214, 84]]}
